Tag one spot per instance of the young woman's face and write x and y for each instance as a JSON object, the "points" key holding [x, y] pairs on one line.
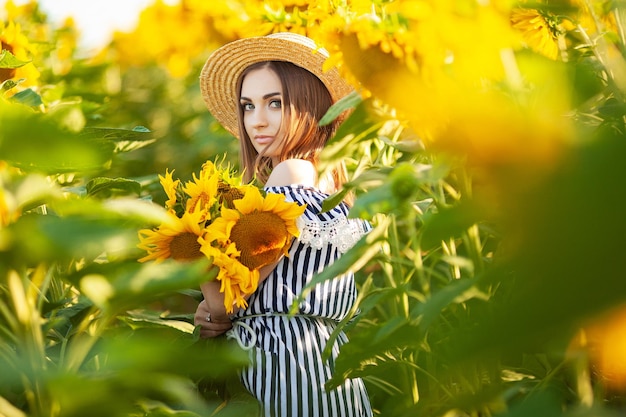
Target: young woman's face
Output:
{"points": [[262, 103]]}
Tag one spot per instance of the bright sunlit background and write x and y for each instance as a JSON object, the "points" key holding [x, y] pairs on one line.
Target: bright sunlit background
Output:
{"points": [[95, 19]]}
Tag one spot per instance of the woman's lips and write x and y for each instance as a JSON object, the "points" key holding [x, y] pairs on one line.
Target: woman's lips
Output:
{"points": [[263, 140]]}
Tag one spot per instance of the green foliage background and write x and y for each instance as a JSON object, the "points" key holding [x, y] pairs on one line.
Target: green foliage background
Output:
{"points": [[468, 304]]}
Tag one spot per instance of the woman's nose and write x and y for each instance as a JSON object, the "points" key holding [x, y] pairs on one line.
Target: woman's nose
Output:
{"points": [[260, 118]]}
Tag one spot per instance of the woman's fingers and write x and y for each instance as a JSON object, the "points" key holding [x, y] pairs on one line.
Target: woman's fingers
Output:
{"points": [[213, 328]]}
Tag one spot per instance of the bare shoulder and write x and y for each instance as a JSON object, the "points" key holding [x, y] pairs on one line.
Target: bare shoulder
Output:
{"points": [[293, 171]]}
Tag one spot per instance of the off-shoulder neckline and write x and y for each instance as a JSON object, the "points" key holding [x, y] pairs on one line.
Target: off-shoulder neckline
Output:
{"points": [[296, 187]]}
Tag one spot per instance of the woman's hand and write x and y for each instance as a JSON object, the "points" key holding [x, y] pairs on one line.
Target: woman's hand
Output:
{"points": [[213, 307], [218, 325]]}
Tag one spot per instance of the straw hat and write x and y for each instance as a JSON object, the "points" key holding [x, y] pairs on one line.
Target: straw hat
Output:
{"points": [[218, 79]]}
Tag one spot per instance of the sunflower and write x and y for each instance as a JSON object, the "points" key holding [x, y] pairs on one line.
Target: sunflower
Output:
{"points": [[260, 227], [202, 191], [540, 30], [227, 221], [237, 280], [228, 193], [176, 239], [15, 41], [229, 186]]}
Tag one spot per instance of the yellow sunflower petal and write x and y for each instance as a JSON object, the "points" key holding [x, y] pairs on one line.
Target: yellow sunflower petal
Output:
{"points": [[253, 200], [236, 280], [169, 186], [202, 191]]}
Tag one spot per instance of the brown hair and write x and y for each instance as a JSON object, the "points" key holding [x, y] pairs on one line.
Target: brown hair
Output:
{"points": [[308, 100]]}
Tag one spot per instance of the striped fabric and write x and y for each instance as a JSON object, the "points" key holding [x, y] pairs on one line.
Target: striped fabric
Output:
{"points": [[287, 372]]}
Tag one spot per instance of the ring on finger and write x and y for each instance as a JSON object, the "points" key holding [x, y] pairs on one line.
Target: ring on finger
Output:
{"points": [[208, 317]]}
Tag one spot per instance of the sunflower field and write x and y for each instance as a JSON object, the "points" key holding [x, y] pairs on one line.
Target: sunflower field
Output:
{"points": [[486, 144]]}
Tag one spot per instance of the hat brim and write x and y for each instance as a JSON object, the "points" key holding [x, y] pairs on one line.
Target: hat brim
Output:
{"points": [[218, 79]]}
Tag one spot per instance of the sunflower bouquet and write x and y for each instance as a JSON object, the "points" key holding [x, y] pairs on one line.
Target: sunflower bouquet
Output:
{"points": [[238, 226]]}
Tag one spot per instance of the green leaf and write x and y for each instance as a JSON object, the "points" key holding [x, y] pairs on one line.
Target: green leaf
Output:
{"points": [[117, 288], [8, 60], [36, 142], [347, 102], [448, 222], [81, 229], [28, 97], [346, 143], [150, 319], [378, 200], [125, 140], [110, 186]]}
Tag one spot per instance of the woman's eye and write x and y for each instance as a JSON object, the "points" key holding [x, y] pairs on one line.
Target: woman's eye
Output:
{"points": [[277, 104], [247, 106]]}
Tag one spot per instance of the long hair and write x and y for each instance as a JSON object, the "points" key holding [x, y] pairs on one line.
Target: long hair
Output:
{"points": [[307, 99]]}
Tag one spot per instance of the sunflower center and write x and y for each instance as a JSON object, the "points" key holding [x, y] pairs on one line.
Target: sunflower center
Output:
{"points": [[202, 198], [228, 194], [6, 73], [185, 246], [261, 236]]}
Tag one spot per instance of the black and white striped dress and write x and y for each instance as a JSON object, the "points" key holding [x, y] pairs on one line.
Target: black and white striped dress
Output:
{"points": [[287, 372]]}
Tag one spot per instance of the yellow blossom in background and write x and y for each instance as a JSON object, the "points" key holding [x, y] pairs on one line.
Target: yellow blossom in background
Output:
{"points": [[594, 17], [66, 43], [32, 21], [9, 212], [450, 69], [174, 35], [419, 55], [605, 340], [5, 212], [13, 40], [540, 30], [167, 35], [36, 38]]}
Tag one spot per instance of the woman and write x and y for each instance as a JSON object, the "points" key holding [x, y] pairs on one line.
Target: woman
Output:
{"points": [[271, 93]]}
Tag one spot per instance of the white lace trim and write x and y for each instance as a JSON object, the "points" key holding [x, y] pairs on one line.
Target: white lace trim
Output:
{"points": [[340, 232]]}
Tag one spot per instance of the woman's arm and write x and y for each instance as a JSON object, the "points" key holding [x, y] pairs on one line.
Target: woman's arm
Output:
{"points": [[213, 305]]}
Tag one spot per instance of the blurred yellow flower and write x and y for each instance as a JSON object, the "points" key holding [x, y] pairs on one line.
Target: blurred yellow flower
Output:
{"points": [[595, 17], [7, 215], [450, 70], [173, 36], [541, 31], [13, 40], [605, 340], [9, 208], [66, 43], [169, 35]]}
